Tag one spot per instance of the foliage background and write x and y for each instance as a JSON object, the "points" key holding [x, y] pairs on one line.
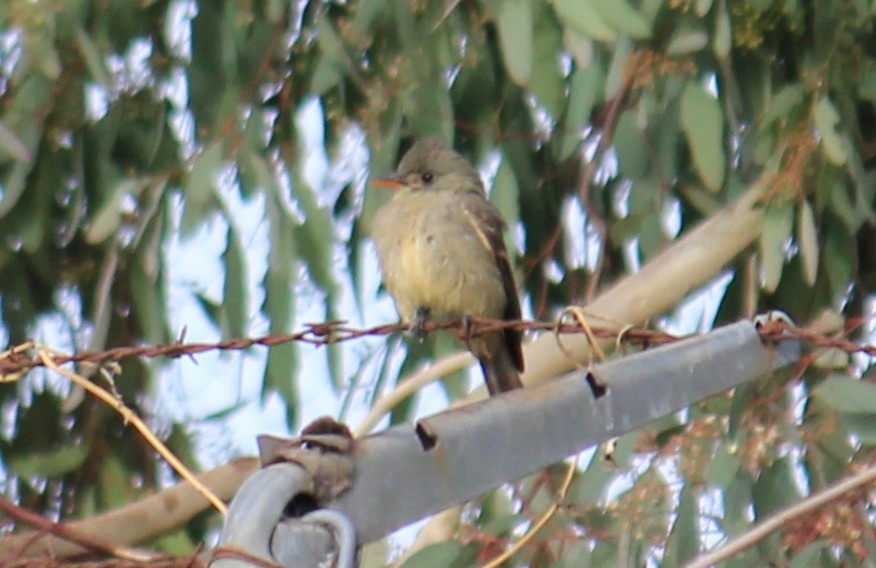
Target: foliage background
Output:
{"points": [[607, 127]]}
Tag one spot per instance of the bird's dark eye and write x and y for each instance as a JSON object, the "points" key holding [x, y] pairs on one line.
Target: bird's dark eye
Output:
{"points": [[427, 177]]}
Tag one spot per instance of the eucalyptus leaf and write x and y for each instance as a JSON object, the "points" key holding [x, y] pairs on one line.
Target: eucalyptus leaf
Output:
{"points": [[774, 489], [235, 292], [584, 16], [448, 554], [584, 91], [106, 221], [846, 394], [684, 538], [723, 35], [827, 119], [807, 236], [49, 463], [703, 125], [777, 225], [514, 22], [93, 60], [862, 426], [12, 146], [688, 41], [547, 82], [783, 102], [621, 15]]}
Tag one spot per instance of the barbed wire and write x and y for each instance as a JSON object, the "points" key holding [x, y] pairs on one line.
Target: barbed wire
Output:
{"points": [[22, 358]]}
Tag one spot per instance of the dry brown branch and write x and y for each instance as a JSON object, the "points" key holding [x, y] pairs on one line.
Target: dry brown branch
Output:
{"points": [[48, 562], [88, 542], [136, 522]]}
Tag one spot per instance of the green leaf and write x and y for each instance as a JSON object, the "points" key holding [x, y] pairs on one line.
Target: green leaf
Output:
{"points": [[846, 394], [810, 556], [783, 102], [426, 100], [148, 304], [584, 17], [723, 35], [177, 543], [777, 225], [579, 46], [201, 184], [831, 358], [584, 89], [315, 246], [48, 463], [867, 86], [628, 143], [281, 370], [684, 539], [620, 15], [93, 60], [826, 119], [702, 7], [723, 466], [235, 296], [578, 555], [863, 426], [774, 489], [547, 83], [703, 125], [109, 216], [255, 174], [838, 259], [115, 482], [687, 41], [807, 236], [614, 79], [505, 195], [514, 22], [25, 116], [12, 146], [448, 554]]}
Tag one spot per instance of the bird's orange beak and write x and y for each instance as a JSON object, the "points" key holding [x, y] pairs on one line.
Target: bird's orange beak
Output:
{"points": [[388, 183]]}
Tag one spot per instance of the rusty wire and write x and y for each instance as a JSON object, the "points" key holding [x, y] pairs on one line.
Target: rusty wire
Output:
{"points": [[326, 333]]}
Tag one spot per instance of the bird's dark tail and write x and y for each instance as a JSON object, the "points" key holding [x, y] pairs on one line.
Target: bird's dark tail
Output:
{"points": [[499, 367]]}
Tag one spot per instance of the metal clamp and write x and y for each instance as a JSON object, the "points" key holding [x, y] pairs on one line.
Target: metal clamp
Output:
{"points": [[275, 517]]}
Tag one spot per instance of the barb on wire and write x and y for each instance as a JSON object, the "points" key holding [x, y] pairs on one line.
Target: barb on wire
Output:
{"points": [[22, 358]]}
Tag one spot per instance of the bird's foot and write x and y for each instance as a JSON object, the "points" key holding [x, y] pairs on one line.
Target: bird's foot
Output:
{"points": [[421, 316]]}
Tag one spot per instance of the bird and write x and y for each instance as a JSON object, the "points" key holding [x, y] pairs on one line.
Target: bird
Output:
{"points": [[442, 255]]}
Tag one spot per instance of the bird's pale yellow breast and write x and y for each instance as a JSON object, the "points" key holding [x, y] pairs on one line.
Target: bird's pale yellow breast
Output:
{"points": [[432, 257]]}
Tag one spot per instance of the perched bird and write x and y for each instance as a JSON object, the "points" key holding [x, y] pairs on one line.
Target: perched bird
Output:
{"points": [[442, 254]]}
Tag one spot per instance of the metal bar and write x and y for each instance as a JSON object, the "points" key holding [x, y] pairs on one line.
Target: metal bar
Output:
{"points": [[410, 471], [257, 509]]}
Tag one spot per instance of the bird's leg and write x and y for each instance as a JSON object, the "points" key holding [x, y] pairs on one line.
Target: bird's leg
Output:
{"points": [[467, 328], [421, 316]]}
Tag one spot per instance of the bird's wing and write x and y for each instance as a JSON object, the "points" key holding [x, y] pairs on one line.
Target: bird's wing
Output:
{"points": [[488, 225]]}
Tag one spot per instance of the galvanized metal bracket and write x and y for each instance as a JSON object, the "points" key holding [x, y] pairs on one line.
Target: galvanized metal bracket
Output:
{"points": [[276, 518]]}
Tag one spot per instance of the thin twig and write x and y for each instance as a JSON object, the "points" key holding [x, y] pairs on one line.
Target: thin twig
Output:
{"points": [[130, 417], [408, 387], [784, 517], [564, 488]]}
